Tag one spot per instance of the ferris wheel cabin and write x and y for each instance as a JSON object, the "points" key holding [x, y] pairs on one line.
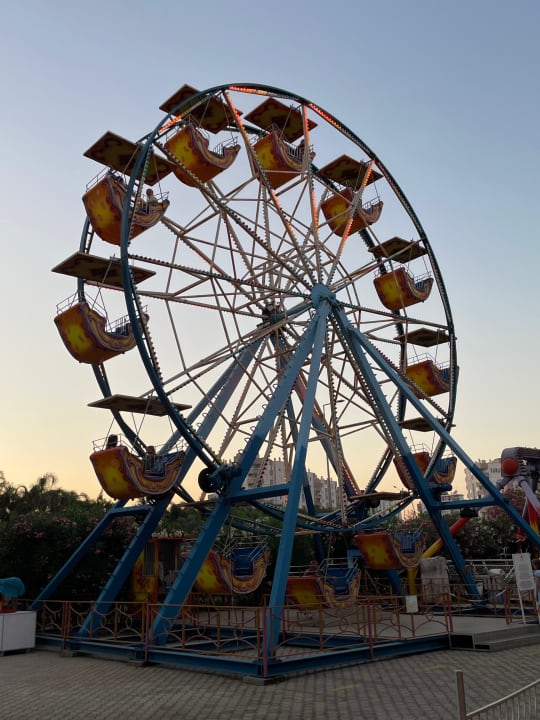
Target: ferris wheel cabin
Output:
{"points": [[105, 196], [190, 147], [87, 336], [125, 476]]}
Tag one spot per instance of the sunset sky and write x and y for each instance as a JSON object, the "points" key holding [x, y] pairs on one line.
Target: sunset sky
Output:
{"points": [[447, 94]]}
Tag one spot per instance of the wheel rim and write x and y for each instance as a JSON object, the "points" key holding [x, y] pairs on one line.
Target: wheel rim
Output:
{"points": [[238, 264]]}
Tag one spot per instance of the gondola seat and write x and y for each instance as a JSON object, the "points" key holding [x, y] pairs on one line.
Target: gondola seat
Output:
{"points": [[398, 289], [84, 333], [337, 211], [104, 203], [190, 147]]}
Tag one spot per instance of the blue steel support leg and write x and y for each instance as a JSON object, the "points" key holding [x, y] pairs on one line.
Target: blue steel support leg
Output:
{"points": [[310, 505], [358, 345], [70, 565], [186, 577], [232, 492], [124, 566], [283, 562], [317, 425], [493, 491]]}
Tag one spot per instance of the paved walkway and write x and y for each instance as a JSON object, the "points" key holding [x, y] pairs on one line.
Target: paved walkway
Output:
{"points": [[44, 685]]}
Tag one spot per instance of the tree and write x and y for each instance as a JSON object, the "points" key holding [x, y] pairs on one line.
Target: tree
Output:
{"points": [[40, 528]]}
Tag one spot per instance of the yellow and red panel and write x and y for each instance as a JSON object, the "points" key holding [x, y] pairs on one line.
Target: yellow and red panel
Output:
{"points": [[378, 551], [279, 165], [190, 148], [121, 474], [428, 377], [304, 592], [104, 203], [338, 212], [83, 332], [397, 289]]}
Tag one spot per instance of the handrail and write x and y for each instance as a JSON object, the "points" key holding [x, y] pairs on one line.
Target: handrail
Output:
{"points": [[525, 702]]}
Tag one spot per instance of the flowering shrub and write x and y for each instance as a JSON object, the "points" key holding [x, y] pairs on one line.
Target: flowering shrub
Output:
{"points": [[35, 542]]}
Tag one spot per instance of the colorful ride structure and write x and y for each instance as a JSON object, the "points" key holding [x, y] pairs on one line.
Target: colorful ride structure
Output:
{"points": [[443, 472], [86, 335], [523, 466], [125, 476], [328, 585], [384, 550], [196, 163], [224, 575], [239, 571], [275, 295], [104, 202]]}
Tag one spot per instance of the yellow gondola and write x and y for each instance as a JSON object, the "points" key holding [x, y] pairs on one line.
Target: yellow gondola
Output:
{"points": [[387, 551], [281, 161], [239, 573], [84, 333], [104, 203], [444, 471], [422, 459], [124, 476], [398, 289], [337, 211], [429, 377], [337, 587], [190, 147]]}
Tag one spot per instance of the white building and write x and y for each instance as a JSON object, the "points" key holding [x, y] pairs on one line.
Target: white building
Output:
{"points": [[451, 497], [323, 490], [490, 468]]}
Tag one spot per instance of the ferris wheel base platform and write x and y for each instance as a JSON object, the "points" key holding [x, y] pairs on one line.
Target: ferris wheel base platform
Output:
{"points": [[306, 649]]}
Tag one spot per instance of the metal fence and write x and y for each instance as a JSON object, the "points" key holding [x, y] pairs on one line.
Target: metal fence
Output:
{"points": [[219, 629], [523, 704]]}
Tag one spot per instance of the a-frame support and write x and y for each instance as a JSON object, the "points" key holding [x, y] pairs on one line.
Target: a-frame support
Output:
{"points": [[151, 515]]}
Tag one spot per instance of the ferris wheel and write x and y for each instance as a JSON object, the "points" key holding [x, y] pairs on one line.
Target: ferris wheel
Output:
{"points": [[261, 308], [282, 294]]}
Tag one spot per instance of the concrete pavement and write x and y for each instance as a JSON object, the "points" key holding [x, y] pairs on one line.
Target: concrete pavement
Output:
{"points": [[44, 685]]}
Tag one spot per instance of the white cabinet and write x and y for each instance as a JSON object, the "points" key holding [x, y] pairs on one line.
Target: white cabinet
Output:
{"points": [[17, 630]]}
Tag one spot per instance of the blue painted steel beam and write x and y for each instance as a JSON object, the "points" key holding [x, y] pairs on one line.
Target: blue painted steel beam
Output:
{"points": [[231, 490], [265, 491], [84, 548], [357, 652], [283, 561], [310, 505], [125, 565], [361, 349]]}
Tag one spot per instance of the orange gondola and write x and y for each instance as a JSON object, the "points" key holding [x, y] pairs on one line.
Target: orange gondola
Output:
{"points": [[336, 587], [337, 209], [443, 472], [429, 377], [238, 573], [386, 551], [125, 476], [190, 147], [398, 289], [104, 203], [281, 161], [85, 334]]}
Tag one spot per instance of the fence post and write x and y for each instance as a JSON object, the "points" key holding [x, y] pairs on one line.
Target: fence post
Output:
{"points": [[460, 686]]}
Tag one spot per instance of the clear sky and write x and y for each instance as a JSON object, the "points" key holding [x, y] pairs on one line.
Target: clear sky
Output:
{"points": [[447, 95]]}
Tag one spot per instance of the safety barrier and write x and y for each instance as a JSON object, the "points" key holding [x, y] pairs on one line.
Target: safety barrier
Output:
{"points": [[523, 704], [213, 629]]}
